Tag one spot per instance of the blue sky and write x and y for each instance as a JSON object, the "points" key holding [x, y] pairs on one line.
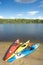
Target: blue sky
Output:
{"points": [[31, 9]]}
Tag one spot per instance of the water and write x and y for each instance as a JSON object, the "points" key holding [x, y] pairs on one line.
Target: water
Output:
{"points": [[10, 32]]}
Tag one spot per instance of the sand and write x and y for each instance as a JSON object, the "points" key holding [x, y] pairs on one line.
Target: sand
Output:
{"points": [[35, 58]]}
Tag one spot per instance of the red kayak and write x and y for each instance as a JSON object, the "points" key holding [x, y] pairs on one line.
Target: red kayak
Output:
{"points": [[12, 49]]}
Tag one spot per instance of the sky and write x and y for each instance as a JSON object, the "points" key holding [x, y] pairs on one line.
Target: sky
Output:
{"points": [[28, 9]]}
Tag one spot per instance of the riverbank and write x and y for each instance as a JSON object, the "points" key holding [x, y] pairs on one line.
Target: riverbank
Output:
{"points": [[32, 59]]}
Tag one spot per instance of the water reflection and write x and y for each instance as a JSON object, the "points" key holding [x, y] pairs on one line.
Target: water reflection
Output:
{"points": [[9, 32]]}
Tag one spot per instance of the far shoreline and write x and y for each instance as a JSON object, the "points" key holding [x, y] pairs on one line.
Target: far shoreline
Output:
{"points": [[20, 21]]}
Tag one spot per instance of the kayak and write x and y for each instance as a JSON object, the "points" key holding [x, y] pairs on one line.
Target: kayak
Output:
{"points": [[12, 49], [25, 52], [22, 47]]}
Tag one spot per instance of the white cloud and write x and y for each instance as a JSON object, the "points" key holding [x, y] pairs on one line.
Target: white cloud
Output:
{"points": [[39, 17], [11, 17], [27, 17], [19, 15], [1, 17], [16, 16], [33, 12], [26, 1], [30, 14]]}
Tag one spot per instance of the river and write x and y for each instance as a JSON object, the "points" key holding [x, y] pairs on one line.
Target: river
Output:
{"points": [[10, 32]]}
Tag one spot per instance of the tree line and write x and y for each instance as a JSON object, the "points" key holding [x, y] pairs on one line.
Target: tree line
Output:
{"points": [[12, 21]]}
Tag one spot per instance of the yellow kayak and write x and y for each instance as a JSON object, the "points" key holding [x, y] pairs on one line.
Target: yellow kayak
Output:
{"points": [[23, 46]]}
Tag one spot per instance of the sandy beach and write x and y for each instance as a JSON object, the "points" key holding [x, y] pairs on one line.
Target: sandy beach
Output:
{"points": [[35, 58]]}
